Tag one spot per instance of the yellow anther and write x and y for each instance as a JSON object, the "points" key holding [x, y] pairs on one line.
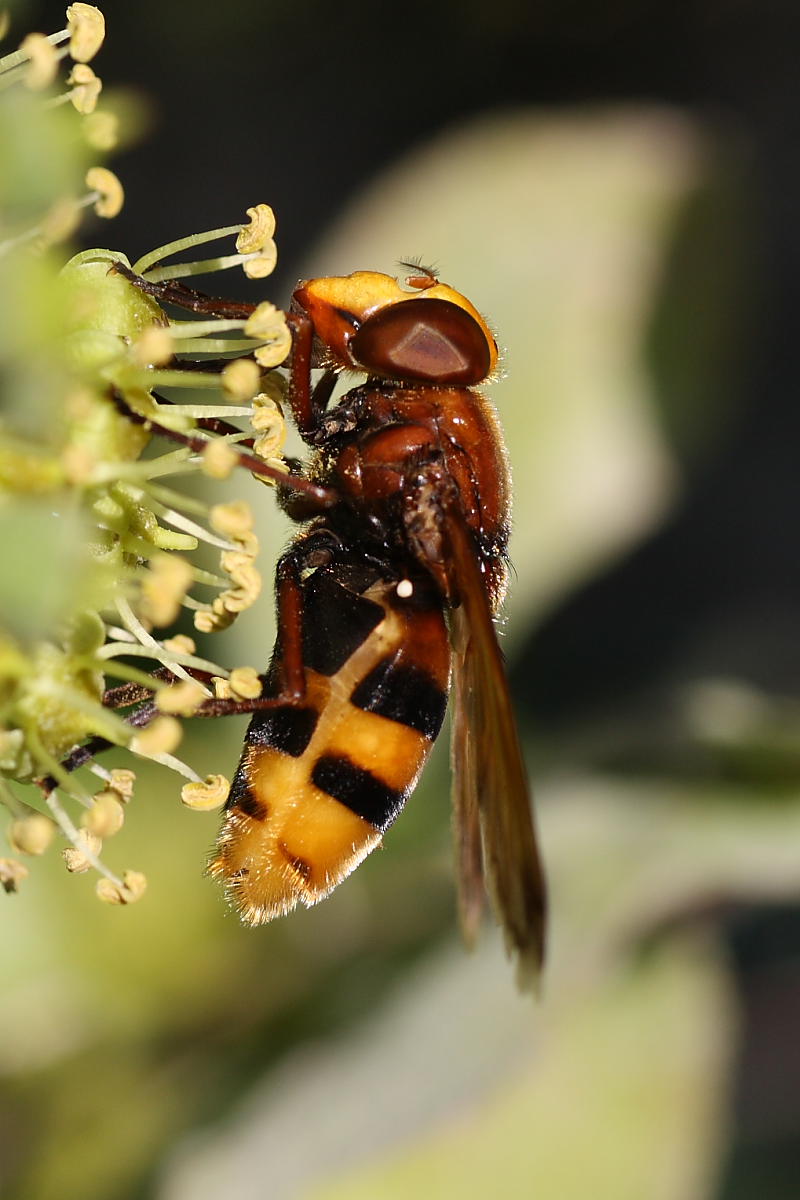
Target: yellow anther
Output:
{"points": [[274, 350], [219, 459], [262, 264], [222, 689], [101, 130], [12, 873], [245, 594], [134, 885], [264, 321], [181, 643], [87, 28], [267, 420], [111, 196], [106, 816], [235, 562], [76, 858], [162, 736], [203, 797], [43, 61], [260, 230], [245, 683], [122, 781], [232, 519], [266, 412], [61, 221], [163, 588], [153, 347], [86, 87], [241, 379], [31, 835], [183, 698], [213, 619]]}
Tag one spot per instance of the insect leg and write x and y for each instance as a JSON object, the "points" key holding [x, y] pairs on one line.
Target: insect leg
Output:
{"points": [[306, 402], [311, 551], [172, 291], [323, 497]]}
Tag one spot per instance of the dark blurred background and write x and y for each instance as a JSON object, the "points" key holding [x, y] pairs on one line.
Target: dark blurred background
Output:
{"points": [[303, 105]]}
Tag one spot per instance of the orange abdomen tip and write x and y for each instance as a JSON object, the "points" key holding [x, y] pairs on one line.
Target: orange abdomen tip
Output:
{"points": [[283, 840]]}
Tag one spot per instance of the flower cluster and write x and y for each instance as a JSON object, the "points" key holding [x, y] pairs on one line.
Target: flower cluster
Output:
{"points": [[98, 548]]}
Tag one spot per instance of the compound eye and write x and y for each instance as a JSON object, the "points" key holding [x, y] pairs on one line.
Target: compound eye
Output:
{"points": [[433, 341]]}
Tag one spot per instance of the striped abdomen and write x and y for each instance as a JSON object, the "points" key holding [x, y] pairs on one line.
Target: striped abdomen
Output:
{"points": [[319, 782]]}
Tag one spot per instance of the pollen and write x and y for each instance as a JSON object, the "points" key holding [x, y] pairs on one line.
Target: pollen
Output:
{"points": [[206, 796]]}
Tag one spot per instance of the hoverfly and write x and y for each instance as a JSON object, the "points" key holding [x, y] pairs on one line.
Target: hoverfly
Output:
{"points": [[385, 603]]}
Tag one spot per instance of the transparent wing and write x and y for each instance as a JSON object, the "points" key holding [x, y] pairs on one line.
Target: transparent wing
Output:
{"points": [[490, 784]]}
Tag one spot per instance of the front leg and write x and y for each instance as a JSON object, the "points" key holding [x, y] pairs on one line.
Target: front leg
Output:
{"points": [[307, 403], [172, 291]]}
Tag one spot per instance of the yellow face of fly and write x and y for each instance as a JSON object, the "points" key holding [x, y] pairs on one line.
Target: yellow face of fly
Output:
{"points": [[339, 305]]}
